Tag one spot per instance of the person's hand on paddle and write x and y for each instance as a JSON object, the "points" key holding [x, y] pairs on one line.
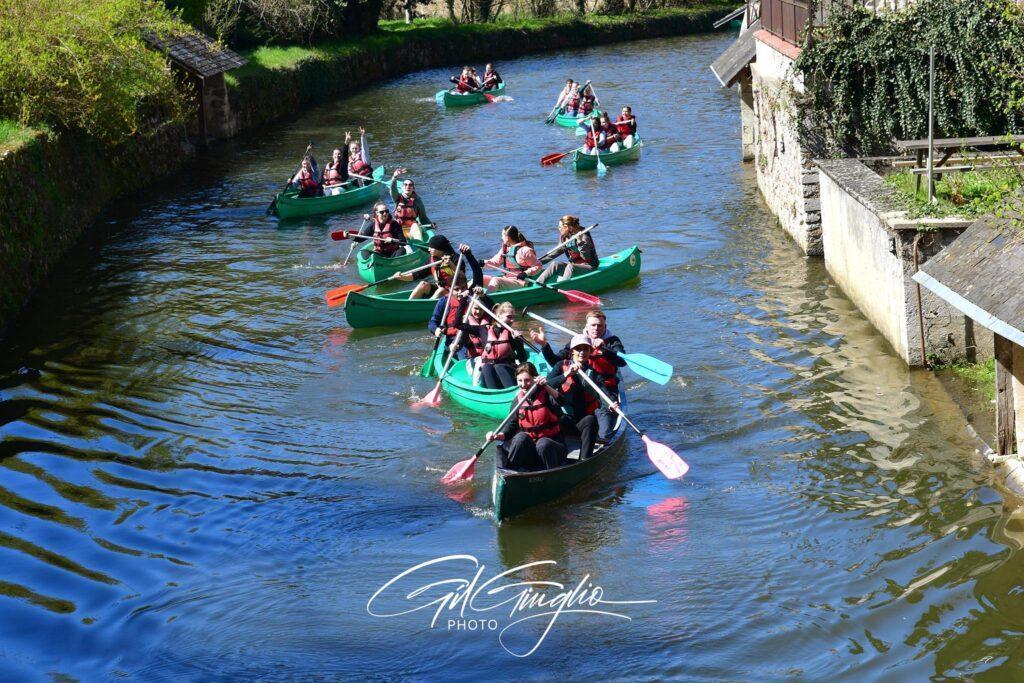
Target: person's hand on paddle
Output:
{"points": [[438, 332], [574, 367], [465, 249], [366, 216], [614, 407], [597, 343], [495, 436], [538, 336], [541, 381]]}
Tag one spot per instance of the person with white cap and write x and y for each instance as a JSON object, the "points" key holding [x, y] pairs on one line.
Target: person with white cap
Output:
{"points": [[533, 439], [580, 401], [604, 359]]}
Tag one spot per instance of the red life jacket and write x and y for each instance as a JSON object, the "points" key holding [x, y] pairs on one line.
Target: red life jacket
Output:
{"points": [[626, 126], [474, 343], [574, 253], [498, 348], [605, 368], [574, 100], [536, 416], [587, 105], [591, 138], [360, 167], [332, 176], [390, 229], [491, 79], [590, 402], [405, 210], [307, 181], [456, 309], [442, 274], [464, 84]]}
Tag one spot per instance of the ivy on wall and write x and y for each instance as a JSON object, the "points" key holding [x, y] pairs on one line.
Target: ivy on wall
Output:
{"points": [[866, 75]]}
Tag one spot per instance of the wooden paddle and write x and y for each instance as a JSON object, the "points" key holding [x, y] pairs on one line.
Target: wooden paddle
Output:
{"points": [[646, 366], [336, 297], [463, 471], [570, 294], [581, 232], [427, 367], [663, 457]]}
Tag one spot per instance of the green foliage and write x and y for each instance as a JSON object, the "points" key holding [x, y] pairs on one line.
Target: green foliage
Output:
{"points": [[85, 66], [866, 75], [971, 194], [14, 135], [980, 377]]}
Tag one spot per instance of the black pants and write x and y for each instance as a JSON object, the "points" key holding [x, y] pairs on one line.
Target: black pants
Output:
{"points": [[497, 375], [585, 430], [523, 455], [605, 423]]}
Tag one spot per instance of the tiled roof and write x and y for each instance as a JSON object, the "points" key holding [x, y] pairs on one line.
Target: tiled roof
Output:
{"points": [[196, 53]]}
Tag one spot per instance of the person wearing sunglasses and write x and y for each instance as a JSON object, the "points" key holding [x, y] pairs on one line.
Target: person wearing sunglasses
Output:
{"points": [[387, 234], [409, 209]]}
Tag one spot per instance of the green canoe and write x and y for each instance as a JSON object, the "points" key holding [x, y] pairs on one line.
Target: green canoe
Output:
{"points": [[290, 205], [490, 402], [373, 267], [396, 308], [573, 121], [454, 99], [583, 162], [514, 492]]}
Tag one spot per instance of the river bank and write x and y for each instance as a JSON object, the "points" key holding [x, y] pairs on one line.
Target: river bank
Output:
{"points": [[55, 207]]}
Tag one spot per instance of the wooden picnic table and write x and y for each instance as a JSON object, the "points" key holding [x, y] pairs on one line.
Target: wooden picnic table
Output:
{"points": [[950, 146]]}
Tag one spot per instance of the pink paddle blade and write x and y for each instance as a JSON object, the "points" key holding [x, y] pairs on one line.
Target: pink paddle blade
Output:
{"points": [[665, 459], [581, 297], [461, 471], [431, 400]]}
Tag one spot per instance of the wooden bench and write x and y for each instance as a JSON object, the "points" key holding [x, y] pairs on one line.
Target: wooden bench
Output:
{"points": [[947, 147]]}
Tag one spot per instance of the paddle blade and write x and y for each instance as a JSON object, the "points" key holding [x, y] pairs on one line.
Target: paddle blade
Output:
{"points": [[648, 367], [552, 159], [489, 98], [431, 400], [665, 459], [339, 235], [461, 471], [336, 297], [428, 366], [581, 297], [601, 168]]}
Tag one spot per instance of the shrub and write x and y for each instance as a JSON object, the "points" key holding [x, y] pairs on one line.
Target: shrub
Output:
{"points": [[85, 66]]}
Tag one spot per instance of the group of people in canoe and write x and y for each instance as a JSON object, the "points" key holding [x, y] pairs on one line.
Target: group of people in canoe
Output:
{"points": [[602, 134], [468, 81], [349, 167]]}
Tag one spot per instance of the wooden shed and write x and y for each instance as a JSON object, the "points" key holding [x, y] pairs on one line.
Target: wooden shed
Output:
{"points": [[202, 62], [982, 275]]}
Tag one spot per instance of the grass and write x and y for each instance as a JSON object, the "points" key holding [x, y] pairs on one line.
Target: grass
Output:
{"points": [[980, 377], [13, 135], [394, 32], [970, 194]]}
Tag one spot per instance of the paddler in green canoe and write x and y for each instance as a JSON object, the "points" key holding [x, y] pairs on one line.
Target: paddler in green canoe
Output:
{"points": [[443, 260], [578, 247], [533, 440], [409, 209], [516, 257]]}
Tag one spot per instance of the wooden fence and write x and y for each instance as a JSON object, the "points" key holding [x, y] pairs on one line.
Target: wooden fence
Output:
{"points": [[789, 19]]}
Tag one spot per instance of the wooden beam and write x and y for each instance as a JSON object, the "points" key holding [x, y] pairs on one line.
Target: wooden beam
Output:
{"points": [[1006, 437]]}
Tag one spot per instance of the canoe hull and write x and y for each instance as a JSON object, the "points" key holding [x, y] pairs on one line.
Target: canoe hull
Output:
{"points": [[515, 492], [373, 267], [458, 384], [573, 121], [450, 99], [289, 205], [585, 162], [368, 310]]}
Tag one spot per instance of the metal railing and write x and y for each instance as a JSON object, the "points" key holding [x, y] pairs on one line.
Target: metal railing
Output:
{"points": [[790, 19]]}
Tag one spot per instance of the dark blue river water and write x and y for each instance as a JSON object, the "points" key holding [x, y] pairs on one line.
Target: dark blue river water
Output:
{"points": [[212, 473]]}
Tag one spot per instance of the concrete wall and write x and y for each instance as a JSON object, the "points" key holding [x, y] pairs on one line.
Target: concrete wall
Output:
{"points": [[748, 121], [1018, 396], [869, 247], [785, 171]]}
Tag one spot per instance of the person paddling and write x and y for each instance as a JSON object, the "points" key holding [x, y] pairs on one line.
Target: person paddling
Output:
{"points": [[466, 82], [586, 105], [492, 79], [603, 359], [336, 172], [563, 97], [626, 125], [409, 208], [307, 180], [602, 136], [388, 238], [449, 325], [502, 349], [359, 158], [533, 439], [443, 261], [516, 255], [578, 248], [578, 398]]}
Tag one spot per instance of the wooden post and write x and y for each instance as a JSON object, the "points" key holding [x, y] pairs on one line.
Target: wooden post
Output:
{"points": [[1006, 437]]}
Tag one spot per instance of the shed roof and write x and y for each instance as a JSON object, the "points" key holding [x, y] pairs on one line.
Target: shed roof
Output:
{"points": [[196, 53], [731, 63], [982, 272]]}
